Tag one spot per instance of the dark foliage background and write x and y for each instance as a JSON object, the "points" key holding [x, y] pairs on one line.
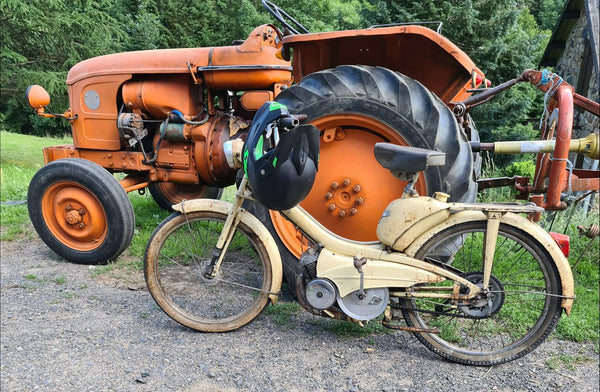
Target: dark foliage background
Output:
{"points": [[42, 39]]}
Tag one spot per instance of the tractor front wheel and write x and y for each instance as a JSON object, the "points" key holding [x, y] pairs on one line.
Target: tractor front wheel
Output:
{"points": [[80, 211]]}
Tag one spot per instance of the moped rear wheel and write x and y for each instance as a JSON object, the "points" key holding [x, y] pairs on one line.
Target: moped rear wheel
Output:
{"points": [[520, 310], [175, 263]]}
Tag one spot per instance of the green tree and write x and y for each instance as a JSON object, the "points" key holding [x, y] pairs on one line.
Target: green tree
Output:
{"points": [[546, 12], [143, 27], [41, 40]]}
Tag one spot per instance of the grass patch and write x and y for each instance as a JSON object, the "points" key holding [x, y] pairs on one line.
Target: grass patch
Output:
{"points": [[20, 158], [59, 280], [121, 269], [148, 216], [284, 313], [566, 361], [32, 278], [584, 321]]}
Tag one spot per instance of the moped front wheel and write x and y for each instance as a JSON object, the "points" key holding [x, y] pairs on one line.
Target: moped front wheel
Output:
{"points": [[176, 263], [515, 314]]}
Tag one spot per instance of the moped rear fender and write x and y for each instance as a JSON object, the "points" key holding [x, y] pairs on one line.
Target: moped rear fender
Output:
{"points": [[254, 224], [560, 261]]}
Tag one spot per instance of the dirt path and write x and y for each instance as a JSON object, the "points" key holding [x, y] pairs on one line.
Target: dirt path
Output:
{"points": [[64, 330]]}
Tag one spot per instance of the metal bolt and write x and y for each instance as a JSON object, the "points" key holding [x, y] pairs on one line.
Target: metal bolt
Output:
{"points": [[353, 211], [73, 217], [332, 207], [328, 195], [68, 207], [335, 185], [342, 214], [81, 225], [356, 188], [359, 201], [82, 211], [346, 181]]}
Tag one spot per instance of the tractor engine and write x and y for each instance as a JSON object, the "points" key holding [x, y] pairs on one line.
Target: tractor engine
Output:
{"points": [[183, 148]]}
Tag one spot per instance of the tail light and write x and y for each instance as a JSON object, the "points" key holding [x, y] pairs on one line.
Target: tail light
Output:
{"points": [[562, 241]]}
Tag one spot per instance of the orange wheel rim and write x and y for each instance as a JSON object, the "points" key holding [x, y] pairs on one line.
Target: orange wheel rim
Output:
{"points": [[351, 189], [74, 216]]}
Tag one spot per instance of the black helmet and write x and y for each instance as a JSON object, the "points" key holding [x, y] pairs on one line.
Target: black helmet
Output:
{"points": [[280, 163]]}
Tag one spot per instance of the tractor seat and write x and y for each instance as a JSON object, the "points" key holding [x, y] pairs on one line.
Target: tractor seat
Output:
{"points": [[407, 159]]}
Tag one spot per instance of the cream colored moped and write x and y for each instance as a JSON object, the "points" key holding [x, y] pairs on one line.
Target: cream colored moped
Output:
{"points": [[478, 284]]}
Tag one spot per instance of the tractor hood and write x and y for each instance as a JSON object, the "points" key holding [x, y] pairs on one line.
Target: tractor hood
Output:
{"points": [[257, 51]]}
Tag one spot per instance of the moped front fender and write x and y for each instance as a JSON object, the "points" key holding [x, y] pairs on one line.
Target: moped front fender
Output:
{"points": [[253, 223], [521, 223]]}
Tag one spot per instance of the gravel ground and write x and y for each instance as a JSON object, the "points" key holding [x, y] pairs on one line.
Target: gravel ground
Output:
{"points": [[65, 330]]}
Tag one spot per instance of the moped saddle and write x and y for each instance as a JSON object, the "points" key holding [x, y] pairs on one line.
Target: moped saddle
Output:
{"points": [[407, 159]]}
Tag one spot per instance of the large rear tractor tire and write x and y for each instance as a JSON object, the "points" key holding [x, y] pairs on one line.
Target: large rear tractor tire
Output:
{"points": [[80, 211], [356, 107], [166, 194]]}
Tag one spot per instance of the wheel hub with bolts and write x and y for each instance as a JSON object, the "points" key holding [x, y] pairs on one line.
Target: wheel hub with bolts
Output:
{"points": [[75, 217], [344, 198]]}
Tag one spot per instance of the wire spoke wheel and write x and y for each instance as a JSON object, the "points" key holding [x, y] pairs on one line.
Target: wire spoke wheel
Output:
{"points": [[176, 263], [510, 318]]}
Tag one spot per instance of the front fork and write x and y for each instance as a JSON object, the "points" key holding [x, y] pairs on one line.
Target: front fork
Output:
{"points": [[229, 227], [489, 247]]}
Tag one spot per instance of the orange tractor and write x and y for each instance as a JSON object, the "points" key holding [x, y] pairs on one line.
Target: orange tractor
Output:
{"points": [[167, 118]]}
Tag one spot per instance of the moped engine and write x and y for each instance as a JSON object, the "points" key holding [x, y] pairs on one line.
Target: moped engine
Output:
{"points": [[321, 293], [318, 293]]}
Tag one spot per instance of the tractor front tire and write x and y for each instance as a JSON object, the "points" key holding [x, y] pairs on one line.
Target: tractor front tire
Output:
{"points": [[80, 211], [356, 107]]}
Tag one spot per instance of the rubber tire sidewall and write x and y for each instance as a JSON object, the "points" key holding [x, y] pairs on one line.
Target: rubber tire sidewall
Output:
{"points": [[119, 215]]}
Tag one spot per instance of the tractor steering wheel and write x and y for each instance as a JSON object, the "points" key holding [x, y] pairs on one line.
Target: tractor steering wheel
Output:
{"points": [[283, 17]]}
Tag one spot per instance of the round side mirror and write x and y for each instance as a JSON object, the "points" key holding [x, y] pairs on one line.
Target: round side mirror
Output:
{"points": [[37, 97]]}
